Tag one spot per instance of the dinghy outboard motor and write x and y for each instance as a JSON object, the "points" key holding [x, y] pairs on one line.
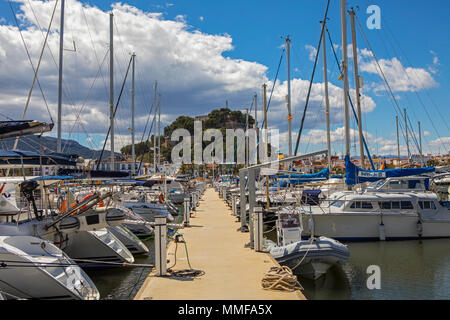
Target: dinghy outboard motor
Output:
{"points": [[27, 188]]}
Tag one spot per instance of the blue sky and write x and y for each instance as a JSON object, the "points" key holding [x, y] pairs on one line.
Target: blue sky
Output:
{"points": [[413, 33]]}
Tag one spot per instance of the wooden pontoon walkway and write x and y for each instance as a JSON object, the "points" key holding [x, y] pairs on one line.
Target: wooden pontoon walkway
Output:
{"points": [[214, 246]]}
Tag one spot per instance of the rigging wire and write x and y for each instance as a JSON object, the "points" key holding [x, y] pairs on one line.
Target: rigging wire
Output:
{"points": [[311, 80], [114, 113], [31, 62], [389, 87], [350, 99], [85, 101]]}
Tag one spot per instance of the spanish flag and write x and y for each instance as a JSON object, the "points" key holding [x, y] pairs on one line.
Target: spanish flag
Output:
{"points": [[340, 76], [383, 166]]}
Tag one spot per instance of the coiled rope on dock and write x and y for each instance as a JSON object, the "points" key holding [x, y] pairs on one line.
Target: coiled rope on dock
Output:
{"points": [[280, 278]]}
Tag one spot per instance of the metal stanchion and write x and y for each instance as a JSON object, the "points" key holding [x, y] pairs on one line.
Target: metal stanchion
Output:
{"points": [[258, 229], [233, 204], [187, 213], [160, 246]]}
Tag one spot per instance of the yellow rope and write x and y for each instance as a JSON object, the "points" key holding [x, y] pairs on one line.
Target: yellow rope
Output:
{"points": [[280, 278]]}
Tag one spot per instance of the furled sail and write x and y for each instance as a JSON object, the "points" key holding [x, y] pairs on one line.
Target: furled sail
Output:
{"points": [[304, 178], [10, 129], [355, 175]]}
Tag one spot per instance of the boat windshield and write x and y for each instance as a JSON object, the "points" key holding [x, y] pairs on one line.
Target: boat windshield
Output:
{"points": [[337, 203]]}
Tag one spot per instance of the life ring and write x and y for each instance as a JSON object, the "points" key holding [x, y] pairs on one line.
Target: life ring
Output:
{"points": [[161, 198]]}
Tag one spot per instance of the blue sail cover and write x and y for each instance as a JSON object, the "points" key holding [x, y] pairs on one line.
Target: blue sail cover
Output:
{"points": [[355, 175], [304, 178], [17, 157]]}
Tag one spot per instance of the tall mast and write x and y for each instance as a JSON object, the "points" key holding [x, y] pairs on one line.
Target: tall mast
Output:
{"points": [[111, 87], [288, 51], [266, 142], [357, 87], [327, 101], [159, 129], [345, 77], [60, 75], [398, 139], [406, 133], [247, 152], [133, 154], [154, 132], [256, 111], [420, 139]]}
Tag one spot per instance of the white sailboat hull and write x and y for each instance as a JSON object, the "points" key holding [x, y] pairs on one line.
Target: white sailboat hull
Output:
{"points": [[36, 269]]}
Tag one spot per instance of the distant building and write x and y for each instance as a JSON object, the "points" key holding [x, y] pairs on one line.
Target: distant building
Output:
{"points": [[201, 118]]}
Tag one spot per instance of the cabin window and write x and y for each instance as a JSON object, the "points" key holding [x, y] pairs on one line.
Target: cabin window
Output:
{"points": [[356, 205], [366, 205], [414, 184], [427, 205], [395, 204], [407, 205], [395, 184], [385, 205]]}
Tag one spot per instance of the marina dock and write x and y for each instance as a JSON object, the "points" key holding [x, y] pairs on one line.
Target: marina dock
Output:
{"points": [[214, 246]]}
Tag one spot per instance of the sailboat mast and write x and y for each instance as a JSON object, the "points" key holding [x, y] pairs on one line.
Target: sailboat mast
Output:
{"points": [[266, 142], [398, 139], [247, 152], [288, 52], [159, 129], [345, 77], [154, 132], [111, 87], [60, 74], [420, 139], [133, 154], [406, 133], [256, 111], [327, 101], [357, 87]]}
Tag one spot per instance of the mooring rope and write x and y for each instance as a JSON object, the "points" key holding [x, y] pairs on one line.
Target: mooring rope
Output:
{"points": [[280, 278]]}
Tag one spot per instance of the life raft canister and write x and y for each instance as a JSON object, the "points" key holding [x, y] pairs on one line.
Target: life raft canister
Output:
{"points": [[161, 198]]}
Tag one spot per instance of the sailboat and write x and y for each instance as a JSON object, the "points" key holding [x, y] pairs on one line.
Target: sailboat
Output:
{"points": [[33, 268]]}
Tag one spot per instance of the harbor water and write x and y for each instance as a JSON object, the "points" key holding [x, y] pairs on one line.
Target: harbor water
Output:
{"points": [[411, 269]]}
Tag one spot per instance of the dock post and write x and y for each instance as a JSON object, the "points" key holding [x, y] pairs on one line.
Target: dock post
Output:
{"points": [[259, 237], [251, 204], [194, 201], [187, 213], [233, 204], [160, 246], [243, 198]]}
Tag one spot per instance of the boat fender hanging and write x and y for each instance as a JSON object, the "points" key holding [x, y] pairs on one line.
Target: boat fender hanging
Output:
{"points": [[381, 231], [419, 228], [161, 198]]}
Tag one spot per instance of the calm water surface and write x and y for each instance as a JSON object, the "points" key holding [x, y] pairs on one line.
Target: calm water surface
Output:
{"points": [[409, 270]]}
